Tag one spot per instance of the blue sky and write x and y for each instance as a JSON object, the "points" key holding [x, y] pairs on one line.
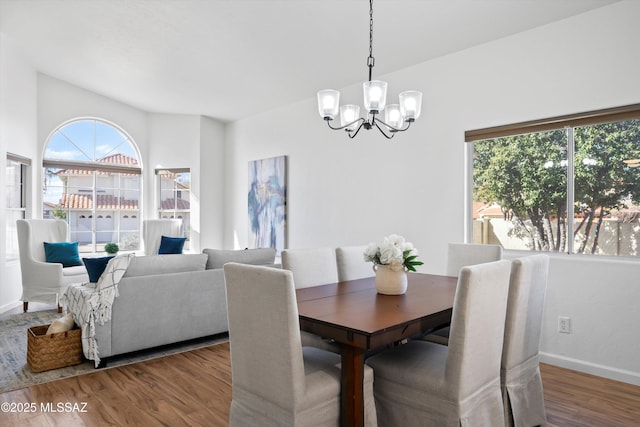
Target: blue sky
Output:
{"points": [[86, 141]]}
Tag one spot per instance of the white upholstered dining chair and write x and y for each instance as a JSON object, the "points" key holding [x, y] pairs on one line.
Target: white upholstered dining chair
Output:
{"points": [[276, 381], [42, 281], [351, 263], [312, 267], [154, 229], [461, 255], [521, 382], [426, 384]]}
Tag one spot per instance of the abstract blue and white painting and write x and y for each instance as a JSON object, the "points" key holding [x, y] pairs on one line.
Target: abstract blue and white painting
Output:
{"points": [[267, 203]]}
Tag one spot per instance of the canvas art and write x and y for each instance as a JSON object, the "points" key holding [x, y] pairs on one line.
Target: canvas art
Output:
{"points": [[267, 203]]}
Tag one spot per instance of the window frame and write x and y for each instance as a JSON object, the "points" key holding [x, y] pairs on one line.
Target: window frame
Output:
{"points": [[94, 167], [159, 172], [11, 228], [566, 122]]}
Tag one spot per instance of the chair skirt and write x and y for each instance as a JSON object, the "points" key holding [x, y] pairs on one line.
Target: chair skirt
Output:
{"points": [[522, 395], [398, 406]]}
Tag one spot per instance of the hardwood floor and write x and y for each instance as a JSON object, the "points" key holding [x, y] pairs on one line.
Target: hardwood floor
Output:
{"points": [[576, 399], [186, 389], [194, 389]]}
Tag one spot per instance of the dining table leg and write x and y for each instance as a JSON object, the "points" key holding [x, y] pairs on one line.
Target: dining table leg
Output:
{"points": [[352, 396]]}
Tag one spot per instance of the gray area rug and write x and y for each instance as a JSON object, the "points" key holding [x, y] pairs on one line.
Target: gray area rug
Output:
{"points": [[16, 373]]}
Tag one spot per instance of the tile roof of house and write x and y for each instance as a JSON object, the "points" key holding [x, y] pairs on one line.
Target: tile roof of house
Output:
{"points": [[119, 159], [491, 210], [168, 204], [116, 159], [105, 201]]}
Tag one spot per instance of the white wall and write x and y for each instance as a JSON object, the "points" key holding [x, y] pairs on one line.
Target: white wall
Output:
{"points": [[175, 143], [343, 191], [212, 183], [18, 135]]}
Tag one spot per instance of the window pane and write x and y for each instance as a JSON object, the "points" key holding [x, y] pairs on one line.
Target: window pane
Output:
{"points": [[607, 189], [519, 191], [15, 186]]}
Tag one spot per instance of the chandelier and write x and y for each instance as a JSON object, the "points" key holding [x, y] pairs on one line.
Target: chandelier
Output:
{"points": [[397, 117]]}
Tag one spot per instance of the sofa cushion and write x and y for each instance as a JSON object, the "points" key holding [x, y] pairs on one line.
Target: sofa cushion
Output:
{"points": [[65, 253], [165, 264], [219, 257], [171, 245], [95, 267]]}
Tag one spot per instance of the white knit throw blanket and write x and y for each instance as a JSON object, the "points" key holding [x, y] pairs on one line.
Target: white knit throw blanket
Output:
{"points": [[90, 303]]}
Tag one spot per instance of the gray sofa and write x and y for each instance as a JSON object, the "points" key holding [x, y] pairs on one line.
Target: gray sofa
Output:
{"points": [[164, 299]]}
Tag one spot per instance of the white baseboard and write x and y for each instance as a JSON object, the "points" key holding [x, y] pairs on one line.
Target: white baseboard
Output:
{"points": [[10, 306], [591, 368]]}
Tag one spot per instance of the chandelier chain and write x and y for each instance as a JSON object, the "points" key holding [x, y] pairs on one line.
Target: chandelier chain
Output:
{"points": [[370, 60]]}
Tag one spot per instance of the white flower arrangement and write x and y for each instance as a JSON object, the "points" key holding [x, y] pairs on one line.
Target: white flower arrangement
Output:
{"points": [[395, 252]]}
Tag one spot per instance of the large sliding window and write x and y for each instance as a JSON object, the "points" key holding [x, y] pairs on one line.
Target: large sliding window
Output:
{"points": [[16, 204], [92, 179], [569, 184]]}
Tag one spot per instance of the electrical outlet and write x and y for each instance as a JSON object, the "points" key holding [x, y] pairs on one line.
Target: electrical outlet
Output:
{"points": [[564, 324]]}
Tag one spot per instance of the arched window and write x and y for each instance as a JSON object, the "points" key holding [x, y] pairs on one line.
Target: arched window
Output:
{"points": [[92, 170]]}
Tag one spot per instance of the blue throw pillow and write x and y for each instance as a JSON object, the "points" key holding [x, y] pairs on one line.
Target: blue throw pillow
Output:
{"points": [[171, 245], [65, 253], [96, 266]]}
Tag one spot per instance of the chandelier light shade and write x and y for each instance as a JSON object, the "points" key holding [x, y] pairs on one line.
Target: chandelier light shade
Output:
{"points": [[328, 103], [397, 117], [348, 115], [375, 96], [410, 104], [393, 116]]}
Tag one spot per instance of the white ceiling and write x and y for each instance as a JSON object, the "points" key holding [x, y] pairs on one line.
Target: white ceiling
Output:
{"points": [[232, 59]]}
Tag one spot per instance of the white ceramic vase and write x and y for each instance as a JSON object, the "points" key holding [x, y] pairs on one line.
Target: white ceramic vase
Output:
{"points": [[390, 282]]}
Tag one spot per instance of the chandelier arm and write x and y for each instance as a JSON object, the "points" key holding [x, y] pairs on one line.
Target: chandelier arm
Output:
{"points": [[361, 120], [352, 134], [394, 129], [382, 130]]}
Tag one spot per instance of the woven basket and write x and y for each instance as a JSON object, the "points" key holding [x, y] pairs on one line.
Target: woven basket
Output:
{"points": [[46, 352]]}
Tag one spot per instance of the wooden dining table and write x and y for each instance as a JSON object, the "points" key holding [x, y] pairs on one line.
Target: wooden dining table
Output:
{"points": [[354, 315]]}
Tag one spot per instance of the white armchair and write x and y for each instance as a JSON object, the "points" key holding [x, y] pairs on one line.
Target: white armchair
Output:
{"points": [[43, 281], [154, 229]]}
